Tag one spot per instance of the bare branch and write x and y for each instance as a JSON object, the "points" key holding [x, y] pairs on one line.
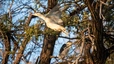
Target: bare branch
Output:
{"points": [[10, 9], [103, 3], [69, 38], [25, 41], [82, 47], [81, 50]]}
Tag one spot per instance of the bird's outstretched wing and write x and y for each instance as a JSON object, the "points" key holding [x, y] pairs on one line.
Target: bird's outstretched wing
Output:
{"points": [[55, 10], [56, 19]]}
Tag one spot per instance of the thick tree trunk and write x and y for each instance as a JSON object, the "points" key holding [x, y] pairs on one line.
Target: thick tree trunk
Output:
{"points": [[49, 41], [99, 55], [47, 50]]}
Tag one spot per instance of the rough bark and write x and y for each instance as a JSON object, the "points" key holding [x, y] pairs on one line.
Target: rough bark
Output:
{"points": [[99, 55], [49, 41], [47, 50]]}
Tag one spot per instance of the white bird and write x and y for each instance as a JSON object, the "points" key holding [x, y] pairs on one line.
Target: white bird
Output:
{"points": [[51, 23], [52, 19], [65, 49]]}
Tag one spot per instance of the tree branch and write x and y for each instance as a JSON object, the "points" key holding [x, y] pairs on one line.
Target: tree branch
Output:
{"points": [[25, 41], [68, 37]]}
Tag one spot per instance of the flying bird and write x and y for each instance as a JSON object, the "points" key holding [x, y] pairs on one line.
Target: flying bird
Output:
{"points": [[51, 23], [53, 19]]}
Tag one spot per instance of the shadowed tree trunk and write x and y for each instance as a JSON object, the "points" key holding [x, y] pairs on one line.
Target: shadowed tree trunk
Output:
{"points": [[99, 55], [47, 50], [49, 40]]}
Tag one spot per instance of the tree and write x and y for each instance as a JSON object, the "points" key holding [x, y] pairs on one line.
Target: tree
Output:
{"points": [[24, 37]]}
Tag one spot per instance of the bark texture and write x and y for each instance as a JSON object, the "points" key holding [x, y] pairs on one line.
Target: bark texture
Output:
{"points": [[99, 55]]}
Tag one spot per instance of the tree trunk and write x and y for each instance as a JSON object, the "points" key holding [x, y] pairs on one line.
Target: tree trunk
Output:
{"points": [[47, 50], [99, 55], [49, 41]]}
